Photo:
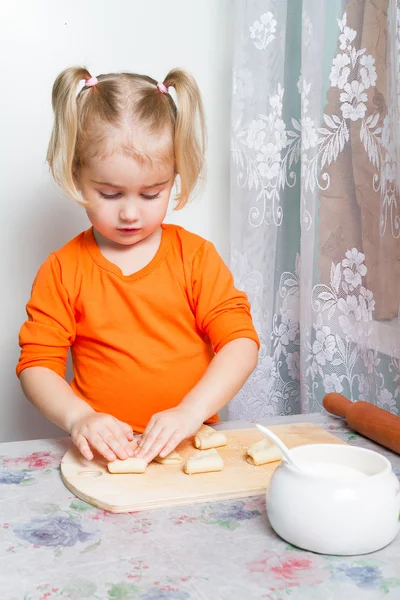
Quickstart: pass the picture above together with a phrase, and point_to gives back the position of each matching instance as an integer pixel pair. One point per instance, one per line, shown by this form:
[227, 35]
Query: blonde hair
[114, 100]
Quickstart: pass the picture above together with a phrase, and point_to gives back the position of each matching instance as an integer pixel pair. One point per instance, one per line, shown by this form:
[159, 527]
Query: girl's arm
[223, 378]
[223, 315]
[41, 369]
[53, 396]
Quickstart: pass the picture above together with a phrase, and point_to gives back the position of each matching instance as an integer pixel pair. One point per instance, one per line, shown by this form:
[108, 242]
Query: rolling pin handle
[336, 404]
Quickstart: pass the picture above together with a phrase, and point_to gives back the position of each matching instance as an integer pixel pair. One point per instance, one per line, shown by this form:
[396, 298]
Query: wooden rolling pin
[365, 418]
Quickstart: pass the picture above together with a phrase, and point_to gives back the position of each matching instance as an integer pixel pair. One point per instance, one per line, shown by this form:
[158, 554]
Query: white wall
[37, 40]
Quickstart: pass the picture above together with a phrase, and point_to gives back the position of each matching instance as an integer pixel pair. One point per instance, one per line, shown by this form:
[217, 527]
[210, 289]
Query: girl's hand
[165, 431]
[104, 433]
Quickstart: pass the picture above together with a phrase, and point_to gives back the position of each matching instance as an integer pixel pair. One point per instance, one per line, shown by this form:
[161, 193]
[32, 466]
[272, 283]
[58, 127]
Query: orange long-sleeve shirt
[139, 342]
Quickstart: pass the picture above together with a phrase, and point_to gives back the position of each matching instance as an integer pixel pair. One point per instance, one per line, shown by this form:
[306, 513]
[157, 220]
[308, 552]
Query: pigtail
[190, 132]
[62, 145]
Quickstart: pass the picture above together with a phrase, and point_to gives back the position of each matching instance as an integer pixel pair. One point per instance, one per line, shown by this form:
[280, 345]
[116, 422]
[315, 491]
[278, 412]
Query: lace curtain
[315, 225]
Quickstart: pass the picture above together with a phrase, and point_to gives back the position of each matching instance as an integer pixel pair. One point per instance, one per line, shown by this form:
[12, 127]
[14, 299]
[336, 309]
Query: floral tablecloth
[56, 546]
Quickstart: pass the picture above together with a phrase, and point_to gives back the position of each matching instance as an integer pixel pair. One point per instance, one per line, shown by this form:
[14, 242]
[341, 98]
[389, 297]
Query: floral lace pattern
[315, 338]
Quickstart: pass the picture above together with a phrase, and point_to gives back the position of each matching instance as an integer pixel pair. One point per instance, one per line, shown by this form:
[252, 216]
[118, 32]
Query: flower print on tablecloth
[228, 515]
[36, 461]
[365, 574]
[53, 530]
[56, 526]
[15, 477]
[77, 589]
[289, 569]
[164, 594]
[18, 470]
[80, 588]
[141, 524]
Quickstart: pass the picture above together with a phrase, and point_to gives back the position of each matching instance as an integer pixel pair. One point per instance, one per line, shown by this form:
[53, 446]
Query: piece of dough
[129, 465]
[172, 459]
[204, 462]
[207, 438]
[263, 452]
[124, 466]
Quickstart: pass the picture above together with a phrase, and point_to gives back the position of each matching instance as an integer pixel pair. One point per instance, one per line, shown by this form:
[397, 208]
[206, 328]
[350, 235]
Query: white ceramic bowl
[335, 515]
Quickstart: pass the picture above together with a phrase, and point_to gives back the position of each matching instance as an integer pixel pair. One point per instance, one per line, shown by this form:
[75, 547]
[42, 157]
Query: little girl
[160, 338]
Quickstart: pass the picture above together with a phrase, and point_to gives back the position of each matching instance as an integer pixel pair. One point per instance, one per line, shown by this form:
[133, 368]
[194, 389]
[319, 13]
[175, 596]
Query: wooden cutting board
[168, 485]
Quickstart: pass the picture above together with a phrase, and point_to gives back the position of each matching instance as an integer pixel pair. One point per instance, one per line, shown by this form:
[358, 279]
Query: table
[56, 546]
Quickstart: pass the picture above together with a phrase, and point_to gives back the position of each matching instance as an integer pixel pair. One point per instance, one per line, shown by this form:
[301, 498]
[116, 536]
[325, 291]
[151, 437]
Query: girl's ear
[75, 176]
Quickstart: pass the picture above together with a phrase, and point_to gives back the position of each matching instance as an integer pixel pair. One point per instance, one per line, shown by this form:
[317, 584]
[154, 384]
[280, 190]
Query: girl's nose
[129, 212]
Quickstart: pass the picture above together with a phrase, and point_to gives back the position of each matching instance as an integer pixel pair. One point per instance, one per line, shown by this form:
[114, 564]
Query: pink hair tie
[163, 88]
[91, 82]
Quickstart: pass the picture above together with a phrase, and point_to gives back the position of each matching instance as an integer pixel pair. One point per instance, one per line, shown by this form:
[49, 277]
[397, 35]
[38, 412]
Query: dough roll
[207, 438]
[263, 452]
[204, 462]
[172, 459]
[129, 465]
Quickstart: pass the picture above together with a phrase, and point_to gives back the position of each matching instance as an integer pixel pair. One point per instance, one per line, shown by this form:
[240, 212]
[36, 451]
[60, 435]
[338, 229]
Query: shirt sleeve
[50, 329]
[222, 311]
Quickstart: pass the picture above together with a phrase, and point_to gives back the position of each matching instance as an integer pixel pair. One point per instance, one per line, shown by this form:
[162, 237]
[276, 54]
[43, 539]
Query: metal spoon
[284, 449]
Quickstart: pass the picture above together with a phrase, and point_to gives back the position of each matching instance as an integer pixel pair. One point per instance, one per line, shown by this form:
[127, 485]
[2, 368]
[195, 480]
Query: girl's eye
[110, 196]
[149, 197]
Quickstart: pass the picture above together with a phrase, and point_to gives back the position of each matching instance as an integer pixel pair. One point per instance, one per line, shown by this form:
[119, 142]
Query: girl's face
[128, 199]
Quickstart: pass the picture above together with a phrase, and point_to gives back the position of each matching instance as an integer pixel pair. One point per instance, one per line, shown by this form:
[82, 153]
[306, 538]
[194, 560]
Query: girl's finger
[151, 424]
[148, 428]
[118, 441]
[97, 442]
[127, 429]
[158, 444]
[83, 447]
[172, 443]
[149, 440]
[114, 444]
